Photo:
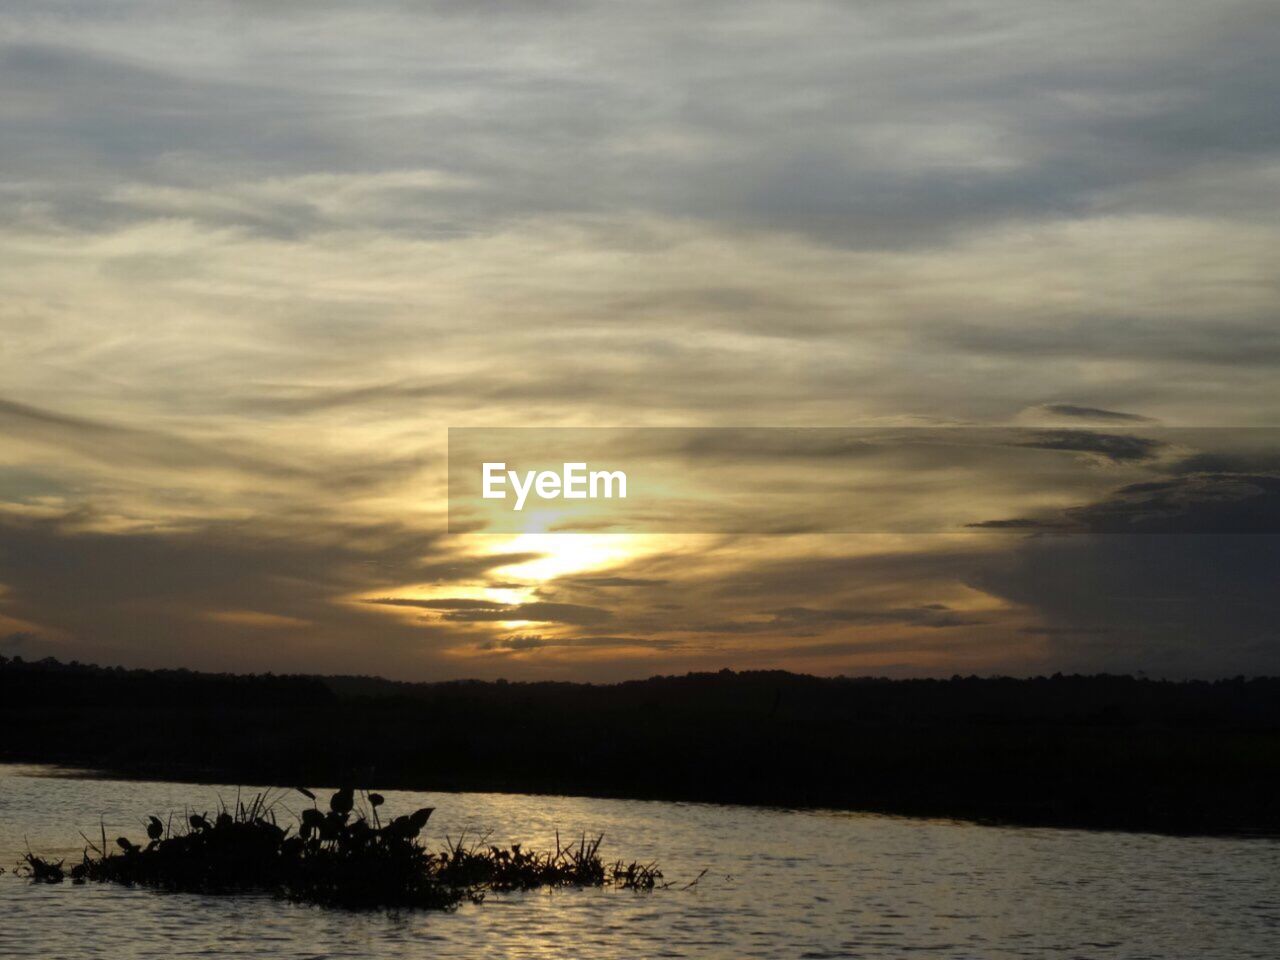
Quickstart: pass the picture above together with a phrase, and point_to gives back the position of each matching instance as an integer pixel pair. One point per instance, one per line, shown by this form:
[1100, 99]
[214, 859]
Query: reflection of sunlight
[565, 553]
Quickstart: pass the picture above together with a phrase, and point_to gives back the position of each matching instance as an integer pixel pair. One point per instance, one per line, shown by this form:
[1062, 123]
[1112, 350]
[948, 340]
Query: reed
[348, 855]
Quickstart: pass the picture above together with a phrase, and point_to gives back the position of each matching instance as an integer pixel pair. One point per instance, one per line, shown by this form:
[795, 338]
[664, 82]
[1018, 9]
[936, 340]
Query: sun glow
[561, 554]
[556, 555]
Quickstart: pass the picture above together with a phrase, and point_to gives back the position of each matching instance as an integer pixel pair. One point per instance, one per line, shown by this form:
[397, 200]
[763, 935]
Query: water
[780, 885]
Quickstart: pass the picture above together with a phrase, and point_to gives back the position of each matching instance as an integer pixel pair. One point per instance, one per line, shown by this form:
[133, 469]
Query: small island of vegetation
[345, 856]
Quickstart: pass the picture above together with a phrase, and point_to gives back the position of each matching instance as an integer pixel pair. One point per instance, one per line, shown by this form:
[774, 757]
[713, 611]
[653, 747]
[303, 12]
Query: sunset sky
[256, 259]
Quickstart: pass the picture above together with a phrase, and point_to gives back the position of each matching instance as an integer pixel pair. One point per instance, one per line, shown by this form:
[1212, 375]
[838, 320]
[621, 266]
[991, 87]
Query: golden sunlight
[562, 554]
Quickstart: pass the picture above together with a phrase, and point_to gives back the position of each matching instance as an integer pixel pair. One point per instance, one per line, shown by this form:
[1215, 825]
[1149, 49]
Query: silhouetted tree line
[1111, 751]
[57, 685]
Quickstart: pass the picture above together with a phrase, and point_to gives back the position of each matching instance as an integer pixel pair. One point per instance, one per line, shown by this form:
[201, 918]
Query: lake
[780, 884]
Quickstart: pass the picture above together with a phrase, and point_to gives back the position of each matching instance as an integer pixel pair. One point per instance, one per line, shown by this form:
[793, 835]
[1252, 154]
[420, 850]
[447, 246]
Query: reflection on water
[779, 885]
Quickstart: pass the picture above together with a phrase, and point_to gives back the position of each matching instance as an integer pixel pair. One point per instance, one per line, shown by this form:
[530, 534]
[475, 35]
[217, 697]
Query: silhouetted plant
[343, 857]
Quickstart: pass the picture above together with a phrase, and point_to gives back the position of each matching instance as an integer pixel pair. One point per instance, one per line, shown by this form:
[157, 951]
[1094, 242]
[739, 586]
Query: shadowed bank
[1101, 751]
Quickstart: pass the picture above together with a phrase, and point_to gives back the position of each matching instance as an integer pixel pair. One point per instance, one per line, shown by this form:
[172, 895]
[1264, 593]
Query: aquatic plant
[346, 856]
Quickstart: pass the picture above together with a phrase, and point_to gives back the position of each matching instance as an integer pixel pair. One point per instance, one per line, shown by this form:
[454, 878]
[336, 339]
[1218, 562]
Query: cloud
[128, 445]
[537, 611]
[456, 603]
[1118, 448]
[256, 618]
[461, 609]
[1020, 523]
[1225, 462]
[211, 596]
[1175, 576]
[1203, 503]
[971, 124]
[462, 569]
[809, 619]
[1073, 410]
[529, 642]
[249, 274]
[1199, 503]
[1180, 606]
[616, 581]
[1043, 631]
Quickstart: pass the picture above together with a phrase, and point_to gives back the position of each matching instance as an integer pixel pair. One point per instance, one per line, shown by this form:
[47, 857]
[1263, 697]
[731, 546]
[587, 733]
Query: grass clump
[347, 856]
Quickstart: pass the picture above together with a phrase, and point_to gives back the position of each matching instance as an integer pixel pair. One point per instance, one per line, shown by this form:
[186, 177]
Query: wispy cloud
[250, 273]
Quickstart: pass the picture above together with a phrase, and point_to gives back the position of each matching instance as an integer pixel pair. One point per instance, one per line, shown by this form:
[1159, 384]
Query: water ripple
[780, 884]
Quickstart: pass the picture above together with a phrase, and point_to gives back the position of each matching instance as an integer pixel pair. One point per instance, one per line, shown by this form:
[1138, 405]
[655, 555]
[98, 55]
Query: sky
[257, 259]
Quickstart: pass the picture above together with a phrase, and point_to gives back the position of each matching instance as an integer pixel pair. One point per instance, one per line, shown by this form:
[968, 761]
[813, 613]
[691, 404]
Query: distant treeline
[1107, 751]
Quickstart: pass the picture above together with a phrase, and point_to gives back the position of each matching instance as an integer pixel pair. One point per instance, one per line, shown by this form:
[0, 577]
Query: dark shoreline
[227, 778]
[1114, 753]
